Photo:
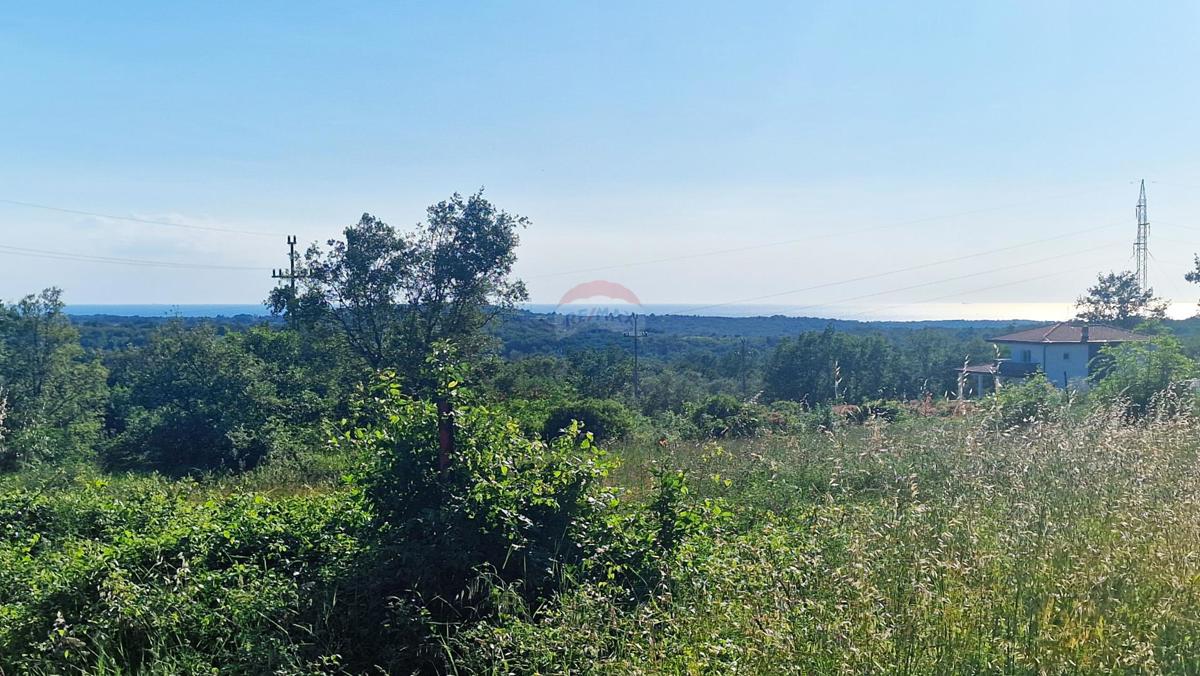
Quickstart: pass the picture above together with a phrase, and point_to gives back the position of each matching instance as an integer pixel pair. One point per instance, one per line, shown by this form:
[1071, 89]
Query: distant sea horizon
[904, 312]
[913, 313]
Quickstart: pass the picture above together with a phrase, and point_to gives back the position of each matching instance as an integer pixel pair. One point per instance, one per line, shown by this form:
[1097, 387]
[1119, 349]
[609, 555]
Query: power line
[952, 279]
[1176, 185]
[112, 260]
[814, 237]
[897, 271]
[144, 221]
[981, 289]
[1180, 226]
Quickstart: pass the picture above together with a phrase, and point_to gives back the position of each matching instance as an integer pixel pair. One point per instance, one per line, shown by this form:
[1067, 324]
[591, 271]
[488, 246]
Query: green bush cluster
[193, 401]
[143, 574]
[1030, 400]
[604, 418]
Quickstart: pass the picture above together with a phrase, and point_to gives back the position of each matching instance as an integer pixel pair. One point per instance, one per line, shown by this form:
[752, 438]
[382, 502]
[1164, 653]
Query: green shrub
[517, 509]
[1145, 376]
[1033, 399]
[604, 418]
[723, 416]
[193, 401]
[150, 576]
[884, 409]
[530, 414]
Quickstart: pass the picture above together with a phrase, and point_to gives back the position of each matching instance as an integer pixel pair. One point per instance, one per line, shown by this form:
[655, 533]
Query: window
[1026, 356]
[1066, 356]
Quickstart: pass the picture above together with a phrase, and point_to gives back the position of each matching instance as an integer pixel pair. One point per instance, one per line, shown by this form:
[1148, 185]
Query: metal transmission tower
[1141, 248]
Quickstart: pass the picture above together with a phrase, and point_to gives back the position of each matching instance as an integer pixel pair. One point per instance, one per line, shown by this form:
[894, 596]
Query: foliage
[55, 393]
[149, 576]
[946, 548]
[1118, 299]
[1145, 376]
[1031, 537]
[393, 296]
[518, 509]
[832, 367]
[1033, 399]
[602, 418]
[193, 401]
[723, 416]
[669, 389]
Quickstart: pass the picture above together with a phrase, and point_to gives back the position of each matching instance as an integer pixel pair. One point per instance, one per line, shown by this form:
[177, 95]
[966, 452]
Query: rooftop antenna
[1141, 248]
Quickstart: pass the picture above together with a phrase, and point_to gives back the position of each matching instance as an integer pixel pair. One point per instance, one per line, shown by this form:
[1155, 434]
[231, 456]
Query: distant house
[1065, 352]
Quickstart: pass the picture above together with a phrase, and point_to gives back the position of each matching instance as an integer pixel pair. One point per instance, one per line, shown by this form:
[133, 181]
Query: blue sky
[838, 139]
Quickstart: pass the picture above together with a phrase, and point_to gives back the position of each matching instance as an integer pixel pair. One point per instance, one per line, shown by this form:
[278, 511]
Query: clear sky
[823, 141]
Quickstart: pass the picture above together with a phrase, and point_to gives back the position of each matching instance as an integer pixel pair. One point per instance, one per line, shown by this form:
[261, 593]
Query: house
[1065, 352]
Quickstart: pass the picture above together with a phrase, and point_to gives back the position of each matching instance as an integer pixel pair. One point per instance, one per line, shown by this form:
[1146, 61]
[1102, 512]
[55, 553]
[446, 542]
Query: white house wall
[1065, 364]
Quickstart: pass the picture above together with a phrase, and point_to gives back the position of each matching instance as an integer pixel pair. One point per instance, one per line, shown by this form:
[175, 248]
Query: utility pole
[636, 335]
[1141, 248]
[742, 366]
[290, 274]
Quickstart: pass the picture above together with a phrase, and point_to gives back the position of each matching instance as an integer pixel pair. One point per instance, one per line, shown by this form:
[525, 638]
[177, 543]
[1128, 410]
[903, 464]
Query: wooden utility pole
[742, 367]
[636, 335]
[290, 273]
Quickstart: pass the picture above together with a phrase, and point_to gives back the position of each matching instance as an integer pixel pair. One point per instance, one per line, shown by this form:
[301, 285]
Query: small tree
[392, 296]
[1118, 299]
[517, 507]
[1142, 373]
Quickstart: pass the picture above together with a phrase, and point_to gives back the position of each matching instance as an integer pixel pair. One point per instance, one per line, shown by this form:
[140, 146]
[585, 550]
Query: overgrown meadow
[935, 545]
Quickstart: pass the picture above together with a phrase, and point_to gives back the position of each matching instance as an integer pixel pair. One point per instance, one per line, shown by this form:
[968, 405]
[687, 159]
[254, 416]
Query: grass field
[926, 547]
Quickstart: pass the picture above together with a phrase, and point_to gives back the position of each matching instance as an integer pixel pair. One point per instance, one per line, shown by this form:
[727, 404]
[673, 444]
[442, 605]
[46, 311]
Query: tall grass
[933, 547]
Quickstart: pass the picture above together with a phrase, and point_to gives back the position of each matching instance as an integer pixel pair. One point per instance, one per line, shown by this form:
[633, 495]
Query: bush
[514, 509]
[885, 409]
[723, 416]
[604, 418]
[1033, 399]
[192, 401]
[1145, 376]
[139, 575]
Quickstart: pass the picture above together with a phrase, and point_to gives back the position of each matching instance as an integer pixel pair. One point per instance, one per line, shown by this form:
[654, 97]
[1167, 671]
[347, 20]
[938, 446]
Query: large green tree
[393, 296]
[54, 392]
[1119, 300]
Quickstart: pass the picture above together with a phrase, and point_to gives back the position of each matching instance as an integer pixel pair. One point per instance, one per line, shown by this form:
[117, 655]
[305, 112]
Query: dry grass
[935, 547]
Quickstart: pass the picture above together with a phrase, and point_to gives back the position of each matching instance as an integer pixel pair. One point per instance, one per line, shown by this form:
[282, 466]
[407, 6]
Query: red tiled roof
[1067, 332]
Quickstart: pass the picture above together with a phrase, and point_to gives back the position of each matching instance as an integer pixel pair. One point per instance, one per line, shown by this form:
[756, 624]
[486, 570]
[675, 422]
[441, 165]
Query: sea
[909, 312]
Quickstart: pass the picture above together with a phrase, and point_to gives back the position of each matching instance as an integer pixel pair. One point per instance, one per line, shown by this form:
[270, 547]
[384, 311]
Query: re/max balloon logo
[596, 304]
